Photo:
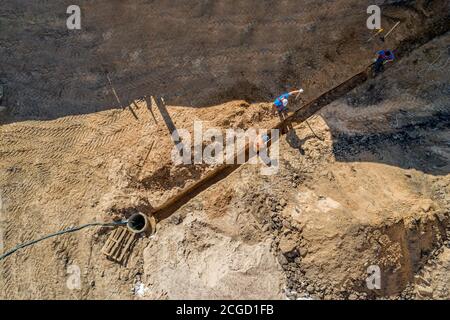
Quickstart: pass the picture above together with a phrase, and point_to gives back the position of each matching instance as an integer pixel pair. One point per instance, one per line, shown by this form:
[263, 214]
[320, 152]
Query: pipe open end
[138, 223]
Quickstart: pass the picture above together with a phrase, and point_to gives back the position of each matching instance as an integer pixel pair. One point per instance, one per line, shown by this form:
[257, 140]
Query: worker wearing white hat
[281, 103]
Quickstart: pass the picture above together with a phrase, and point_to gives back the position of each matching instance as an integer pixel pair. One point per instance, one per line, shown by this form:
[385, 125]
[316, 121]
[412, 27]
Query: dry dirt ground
[373, 191]
[194, 53]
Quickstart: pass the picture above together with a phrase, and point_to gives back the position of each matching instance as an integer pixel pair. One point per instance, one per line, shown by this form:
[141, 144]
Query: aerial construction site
[117, 179]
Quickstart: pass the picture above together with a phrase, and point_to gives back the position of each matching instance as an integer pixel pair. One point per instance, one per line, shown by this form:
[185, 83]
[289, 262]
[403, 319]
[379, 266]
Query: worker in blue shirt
[280, 103]
[383, 57]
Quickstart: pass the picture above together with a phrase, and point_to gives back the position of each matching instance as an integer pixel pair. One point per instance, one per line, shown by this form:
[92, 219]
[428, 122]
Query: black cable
[310, 128]
[26, 244]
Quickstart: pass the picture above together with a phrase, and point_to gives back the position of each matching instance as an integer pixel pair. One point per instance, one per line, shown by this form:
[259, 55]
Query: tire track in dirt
[44, 149]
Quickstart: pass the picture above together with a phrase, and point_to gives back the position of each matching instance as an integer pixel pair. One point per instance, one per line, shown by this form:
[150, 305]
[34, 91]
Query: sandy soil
[97, 165]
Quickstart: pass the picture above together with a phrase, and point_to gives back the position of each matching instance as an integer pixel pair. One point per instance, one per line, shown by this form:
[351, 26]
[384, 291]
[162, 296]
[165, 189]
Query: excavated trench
[415, 247]
[309, 109]
[224, 171]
